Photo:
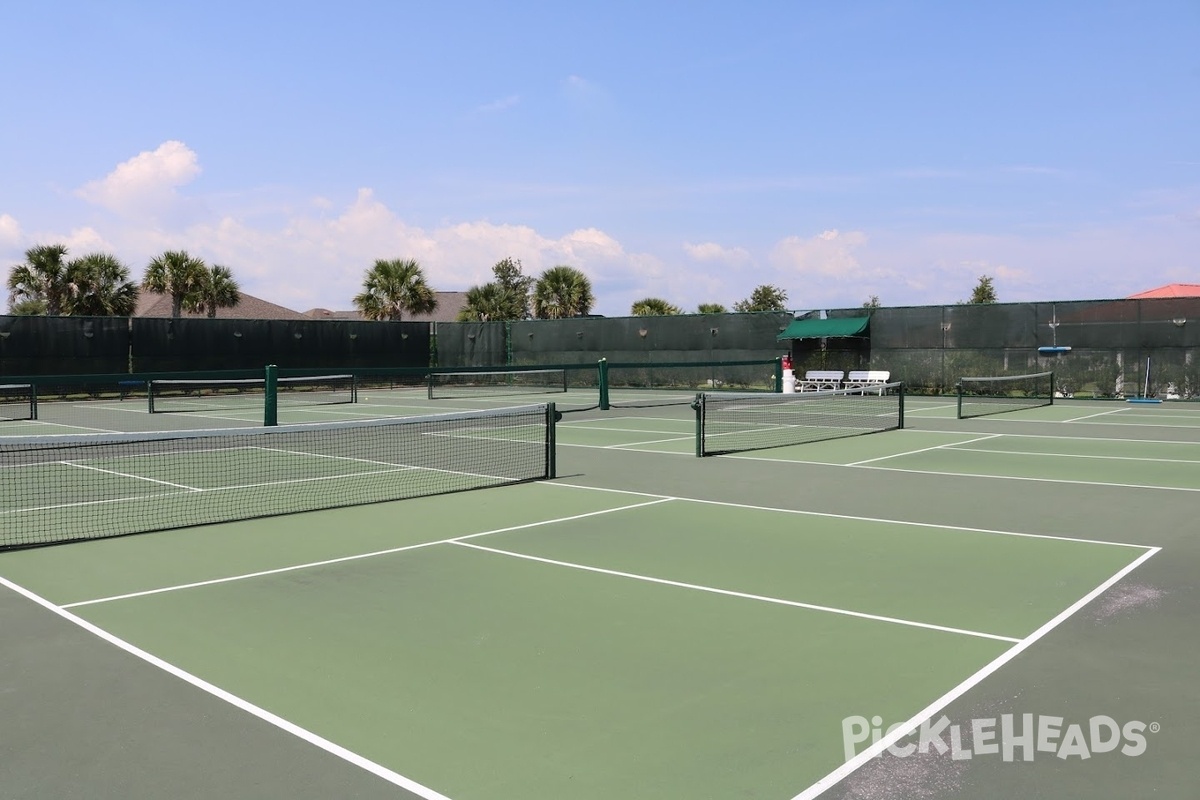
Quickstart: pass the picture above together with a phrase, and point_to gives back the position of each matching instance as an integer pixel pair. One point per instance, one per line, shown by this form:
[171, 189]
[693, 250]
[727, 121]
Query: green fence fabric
[58, 345]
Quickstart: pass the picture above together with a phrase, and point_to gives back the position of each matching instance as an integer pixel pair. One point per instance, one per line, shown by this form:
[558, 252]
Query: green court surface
[647, 625]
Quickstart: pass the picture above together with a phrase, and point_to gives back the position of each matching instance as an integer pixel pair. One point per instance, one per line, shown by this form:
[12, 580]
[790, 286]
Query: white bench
[867, 379]
[816, 380]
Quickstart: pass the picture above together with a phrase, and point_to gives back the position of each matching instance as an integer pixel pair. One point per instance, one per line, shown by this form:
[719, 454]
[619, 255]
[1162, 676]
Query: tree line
[98, 284]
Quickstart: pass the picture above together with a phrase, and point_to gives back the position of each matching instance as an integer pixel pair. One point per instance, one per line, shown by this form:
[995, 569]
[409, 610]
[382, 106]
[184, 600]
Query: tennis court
[644, 624]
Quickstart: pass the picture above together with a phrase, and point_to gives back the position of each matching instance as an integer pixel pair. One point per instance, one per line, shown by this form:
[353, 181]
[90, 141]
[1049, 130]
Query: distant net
[17, 402]
[730, 423]
[177, 396]
[645, 385]
[64, 488]
[978, 397]
[496, 383]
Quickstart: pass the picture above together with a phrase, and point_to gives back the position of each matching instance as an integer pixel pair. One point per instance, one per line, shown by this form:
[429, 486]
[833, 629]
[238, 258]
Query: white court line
[191, 489]
[1060, 436]
[923, 450]
[629, 448]
[1100, 414]
[829, 515]
[621, 417]
[989, 476]
[908, 409]
[676, 438]
[1139, 424]
[743, 595]
[387, 463]
[40, 422]
[986, 476]
[184, 414]
[357, 556]
[128, 475]
[1066, 455]
[564, 425]
[303, 734]
[838, 775]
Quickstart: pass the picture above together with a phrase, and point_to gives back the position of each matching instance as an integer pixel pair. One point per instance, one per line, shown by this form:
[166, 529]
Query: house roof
[155, 304]
[449, 304]
[1170, 290]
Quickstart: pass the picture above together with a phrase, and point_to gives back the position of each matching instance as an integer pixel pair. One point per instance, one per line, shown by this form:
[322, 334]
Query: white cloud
[830, 254]
[145, 181]
[303, 251]
[10, 231]
[714, 253]
[503, 104]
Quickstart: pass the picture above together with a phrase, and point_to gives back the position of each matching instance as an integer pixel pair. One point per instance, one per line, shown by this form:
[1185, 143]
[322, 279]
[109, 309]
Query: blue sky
[688, 150]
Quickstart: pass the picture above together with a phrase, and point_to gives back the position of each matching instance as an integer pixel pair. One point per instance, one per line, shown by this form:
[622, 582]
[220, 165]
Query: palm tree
[486, 303]
[219, 290]
[41, 278]
[711, 308]
[98, 286]
[653, 307]
[562, 292]
[391, 288]
[27, 308]
[177, 274]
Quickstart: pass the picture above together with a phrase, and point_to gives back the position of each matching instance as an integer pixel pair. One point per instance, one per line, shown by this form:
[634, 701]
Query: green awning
[823, 328]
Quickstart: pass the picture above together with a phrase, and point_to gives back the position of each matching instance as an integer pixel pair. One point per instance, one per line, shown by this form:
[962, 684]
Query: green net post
[900, 390]
[552, 417]
[1051, 388]
[779, 375]
[959, 392]
[271, 397]
[602, 366]
[33, 411]
[698, 404]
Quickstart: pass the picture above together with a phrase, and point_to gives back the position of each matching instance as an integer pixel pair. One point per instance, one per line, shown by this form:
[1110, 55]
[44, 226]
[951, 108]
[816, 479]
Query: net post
[959, 389]
[900, 390]
[551, 441]
[33, 409]
[698, 404]
[271, 397]
[1051, 387]
[602, 368]
[779, 375]
[429, 381]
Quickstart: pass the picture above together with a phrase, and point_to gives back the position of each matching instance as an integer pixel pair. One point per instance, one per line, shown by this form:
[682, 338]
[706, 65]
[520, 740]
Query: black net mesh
[732, 423]
[63, 488]
[980, 396]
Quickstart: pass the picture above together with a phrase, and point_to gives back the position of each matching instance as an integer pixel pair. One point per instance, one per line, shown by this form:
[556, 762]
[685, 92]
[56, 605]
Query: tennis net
[729, 423]
[495, 383]
[647, 385]
[65, 488]
[174, 396]
[17, 402]
[978, 397]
